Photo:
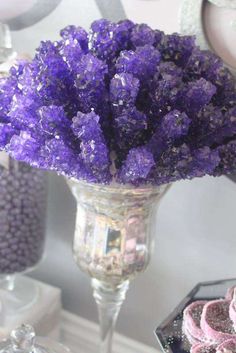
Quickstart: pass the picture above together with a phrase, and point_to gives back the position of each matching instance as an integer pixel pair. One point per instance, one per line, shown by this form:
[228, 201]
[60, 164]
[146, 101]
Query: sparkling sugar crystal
[154, 106]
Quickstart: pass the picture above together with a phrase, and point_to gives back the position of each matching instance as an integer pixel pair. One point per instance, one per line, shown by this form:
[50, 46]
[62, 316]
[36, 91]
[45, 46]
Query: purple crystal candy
[130, 129]
[196, 95]
[137, 165]
[94, 151]
[142, 62]
[124, 89]
[177, 48]
[77, 34]
[141, 35]
[173, 126]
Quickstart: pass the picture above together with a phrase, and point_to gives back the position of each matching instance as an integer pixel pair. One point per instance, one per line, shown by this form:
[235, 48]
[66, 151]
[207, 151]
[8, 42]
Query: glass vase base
[17, 293]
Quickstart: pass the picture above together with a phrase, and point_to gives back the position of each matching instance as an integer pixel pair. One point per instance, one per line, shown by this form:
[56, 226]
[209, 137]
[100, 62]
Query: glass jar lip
[115, 187]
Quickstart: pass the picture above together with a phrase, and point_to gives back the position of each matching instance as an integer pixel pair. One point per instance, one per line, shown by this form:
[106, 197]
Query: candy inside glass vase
[22, 232]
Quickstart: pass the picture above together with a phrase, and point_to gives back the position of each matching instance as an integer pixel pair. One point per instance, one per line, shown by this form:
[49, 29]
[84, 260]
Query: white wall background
[196, 234]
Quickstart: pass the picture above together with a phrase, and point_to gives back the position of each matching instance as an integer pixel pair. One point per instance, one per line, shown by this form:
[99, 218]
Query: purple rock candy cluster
[122, 103]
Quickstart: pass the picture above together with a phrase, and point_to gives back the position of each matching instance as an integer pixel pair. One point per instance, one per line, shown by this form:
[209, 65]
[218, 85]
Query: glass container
[23, 200]
[113, 240]
[22, 216]
[169, 332]
[23, 340]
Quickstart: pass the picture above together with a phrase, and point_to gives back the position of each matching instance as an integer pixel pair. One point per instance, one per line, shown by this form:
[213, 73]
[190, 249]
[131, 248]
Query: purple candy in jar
[22, 216]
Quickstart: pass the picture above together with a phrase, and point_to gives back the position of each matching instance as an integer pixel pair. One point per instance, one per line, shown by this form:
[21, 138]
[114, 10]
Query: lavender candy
[196, 95]
[78, 34]
[142, 34]
[137, 165]
[177, 48]
[22, 217]
[142, 63]
[173, 126]
[124, 89]
[131, 77]
[94, 152]
[130, 129]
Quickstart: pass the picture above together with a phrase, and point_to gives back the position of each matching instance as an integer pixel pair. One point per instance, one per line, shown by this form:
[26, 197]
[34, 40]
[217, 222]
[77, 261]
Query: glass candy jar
[22, 230]
[23, 340]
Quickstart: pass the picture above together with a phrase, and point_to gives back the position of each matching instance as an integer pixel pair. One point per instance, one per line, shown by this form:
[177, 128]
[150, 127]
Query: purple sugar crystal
[137, 165]
[173, 126]
[90, 83]
[71, 52]
[124, 89]
[196, 95]
[142, 62]
[220, 128]
[154, 106]
[59, 156]
[178, 163]
[142, 34]
[23, 113]
[177, 48]
[53, 121]
[130, 129]
[170, 71]
[102, 40]
[202, 63]
[25, 148]
[6, 133]
[122, 34]
[227, 154]
[76, 34]
[94, 151]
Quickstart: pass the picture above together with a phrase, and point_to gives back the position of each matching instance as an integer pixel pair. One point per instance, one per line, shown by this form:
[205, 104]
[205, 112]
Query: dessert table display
[122, 112]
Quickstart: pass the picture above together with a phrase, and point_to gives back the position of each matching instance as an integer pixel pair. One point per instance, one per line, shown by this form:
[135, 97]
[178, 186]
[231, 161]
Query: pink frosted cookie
[215, 321]
[232, 309]
[192, 340]
[228, 346]
[202, 348]
[191, 322]
[230, 293]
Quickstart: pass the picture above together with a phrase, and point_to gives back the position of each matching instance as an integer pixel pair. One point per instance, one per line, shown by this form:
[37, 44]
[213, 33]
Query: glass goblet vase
[114, 232]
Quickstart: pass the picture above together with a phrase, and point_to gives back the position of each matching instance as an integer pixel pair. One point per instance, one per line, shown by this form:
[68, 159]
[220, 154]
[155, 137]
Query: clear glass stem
[109, 300]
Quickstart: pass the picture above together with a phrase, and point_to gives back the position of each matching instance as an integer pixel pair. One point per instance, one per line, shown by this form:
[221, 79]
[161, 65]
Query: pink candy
[210, 326]
[227, 346]
[192, 318]
[203, 348]
[232, 308]
[215, 321]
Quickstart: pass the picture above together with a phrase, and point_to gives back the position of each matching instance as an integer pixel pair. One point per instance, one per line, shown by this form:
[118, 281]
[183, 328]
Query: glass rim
[116, 187]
